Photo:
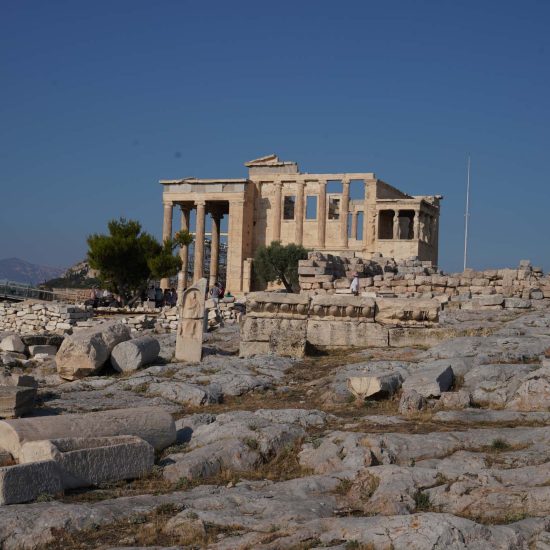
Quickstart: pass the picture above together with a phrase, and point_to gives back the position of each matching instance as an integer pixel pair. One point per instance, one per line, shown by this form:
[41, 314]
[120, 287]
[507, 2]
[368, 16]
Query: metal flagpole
[467, 215]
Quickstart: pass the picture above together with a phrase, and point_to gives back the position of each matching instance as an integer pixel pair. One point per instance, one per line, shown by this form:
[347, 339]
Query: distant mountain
[21, 271]
[80, 275]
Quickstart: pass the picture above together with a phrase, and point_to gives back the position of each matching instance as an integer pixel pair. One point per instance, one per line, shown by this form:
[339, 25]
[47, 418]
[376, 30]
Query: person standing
[354, 287]
[215, 292]
[159, 296]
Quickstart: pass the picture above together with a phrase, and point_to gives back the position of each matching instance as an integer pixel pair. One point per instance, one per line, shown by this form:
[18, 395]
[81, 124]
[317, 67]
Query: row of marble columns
[321, 213]
[200, 233]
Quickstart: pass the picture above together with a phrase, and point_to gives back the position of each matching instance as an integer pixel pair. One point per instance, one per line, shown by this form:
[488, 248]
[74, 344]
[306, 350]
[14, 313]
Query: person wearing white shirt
[354, 287]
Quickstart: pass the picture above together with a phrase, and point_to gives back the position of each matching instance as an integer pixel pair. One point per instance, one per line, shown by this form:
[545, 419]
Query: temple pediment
[271, 164]
[268, 160]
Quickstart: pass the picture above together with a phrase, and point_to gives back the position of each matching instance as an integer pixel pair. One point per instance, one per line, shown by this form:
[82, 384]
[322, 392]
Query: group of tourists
[99, 297]
[168, 297]
[154, 294]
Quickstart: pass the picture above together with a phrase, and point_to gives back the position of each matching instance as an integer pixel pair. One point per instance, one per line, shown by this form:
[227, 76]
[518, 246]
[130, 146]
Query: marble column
[299, 236]
[215, 249]
[369, 222]
[184, 255]
[322, 214]
[198, 267]
[396, 228]
[435, 238]
[354, 225]
[277, 197]
[166, 234]
[235, 247]
[344, 208]
[416, 225]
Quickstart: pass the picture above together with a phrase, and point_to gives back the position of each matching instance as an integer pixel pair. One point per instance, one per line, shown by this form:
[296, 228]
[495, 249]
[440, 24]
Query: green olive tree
[279, 263]
[127, 258]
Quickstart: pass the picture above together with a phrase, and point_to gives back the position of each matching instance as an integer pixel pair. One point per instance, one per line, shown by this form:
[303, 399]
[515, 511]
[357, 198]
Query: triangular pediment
[268, 160]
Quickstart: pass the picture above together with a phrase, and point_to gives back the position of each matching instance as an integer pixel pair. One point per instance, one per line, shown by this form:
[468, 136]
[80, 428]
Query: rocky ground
[452, 452]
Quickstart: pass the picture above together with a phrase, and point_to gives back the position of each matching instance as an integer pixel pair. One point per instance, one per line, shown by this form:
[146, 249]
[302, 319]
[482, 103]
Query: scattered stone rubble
[441, 443]
[85, 352]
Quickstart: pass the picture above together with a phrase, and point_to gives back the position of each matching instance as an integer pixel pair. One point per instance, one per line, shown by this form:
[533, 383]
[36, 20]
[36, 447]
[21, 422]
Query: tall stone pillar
[344, 214]
[435, 238]
[215, 249]
[396, 228]
[277, 211]
[184, 255]
[369, 222]
[166, 234]
[198, 267]
[416, 225]
[299, 236]
[322, 214]
[354, 224]
[235, 246]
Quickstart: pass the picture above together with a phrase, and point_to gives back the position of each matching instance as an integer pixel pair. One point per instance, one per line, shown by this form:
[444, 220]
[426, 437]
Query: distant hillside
[79, 275]
[21, 271]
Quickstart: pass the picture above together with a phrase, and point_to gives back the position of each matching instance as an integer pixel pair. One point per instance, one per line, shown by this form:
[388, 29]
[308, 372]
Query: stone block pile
[328, 273]
[167, 320]
[230, 310]
[17, 390]
[139, 322]
[56, 453]
[87, 351]
[489, 289]
[27, 317]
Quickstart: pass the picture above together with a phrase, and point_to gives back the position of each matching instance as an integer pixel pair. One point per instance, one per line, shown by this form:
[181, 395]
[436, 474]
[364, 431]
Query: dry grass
[282, 467]
[139, 530]
[152, 484]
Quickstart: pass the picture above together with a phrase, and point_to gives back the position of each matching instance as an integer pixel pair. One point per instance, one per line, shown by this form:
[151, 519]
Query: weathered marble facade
[277, 202]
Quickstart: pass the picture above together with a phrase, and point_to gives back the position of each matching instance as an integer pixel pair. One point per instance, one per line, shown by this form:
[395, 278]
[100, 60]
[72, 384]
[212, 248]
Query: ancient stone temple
[278, 202]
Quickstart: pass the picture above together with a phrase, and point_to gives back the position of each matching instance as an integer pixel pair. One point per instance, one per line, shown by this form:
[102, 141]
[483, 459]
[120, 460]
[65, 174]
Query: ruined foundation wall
[284, 324]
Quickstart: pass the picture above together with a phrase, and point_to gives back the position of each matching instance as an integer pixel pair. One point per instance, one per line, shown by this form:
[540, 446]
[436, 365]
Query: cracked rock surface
[403, 448]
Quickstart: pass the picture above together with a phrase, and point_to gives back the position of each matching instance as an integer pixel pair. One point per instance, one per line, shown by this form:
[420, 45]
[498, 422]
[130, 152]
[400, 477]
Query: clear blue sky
[99, 100]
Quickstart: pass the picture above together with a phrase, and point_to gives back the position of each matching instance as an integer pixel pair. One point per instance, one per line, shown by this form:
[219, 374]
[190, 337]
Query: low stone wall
[413, 279]
[229, 309]
[284, 324]
[28, 317]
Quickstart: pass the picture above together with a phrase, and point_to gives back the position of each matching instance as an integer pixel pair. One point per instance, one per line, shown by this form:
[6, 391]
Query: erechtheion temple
[277, 202]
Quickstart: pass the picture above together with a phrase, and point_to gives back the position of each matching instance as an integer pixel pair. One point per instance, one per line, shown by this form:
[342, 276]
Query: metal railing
[17, 291]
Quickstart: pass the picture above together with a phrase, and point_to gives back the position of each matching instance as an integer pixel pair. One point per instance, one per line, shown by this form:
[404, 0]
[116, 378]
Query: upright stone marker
[191, 323]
